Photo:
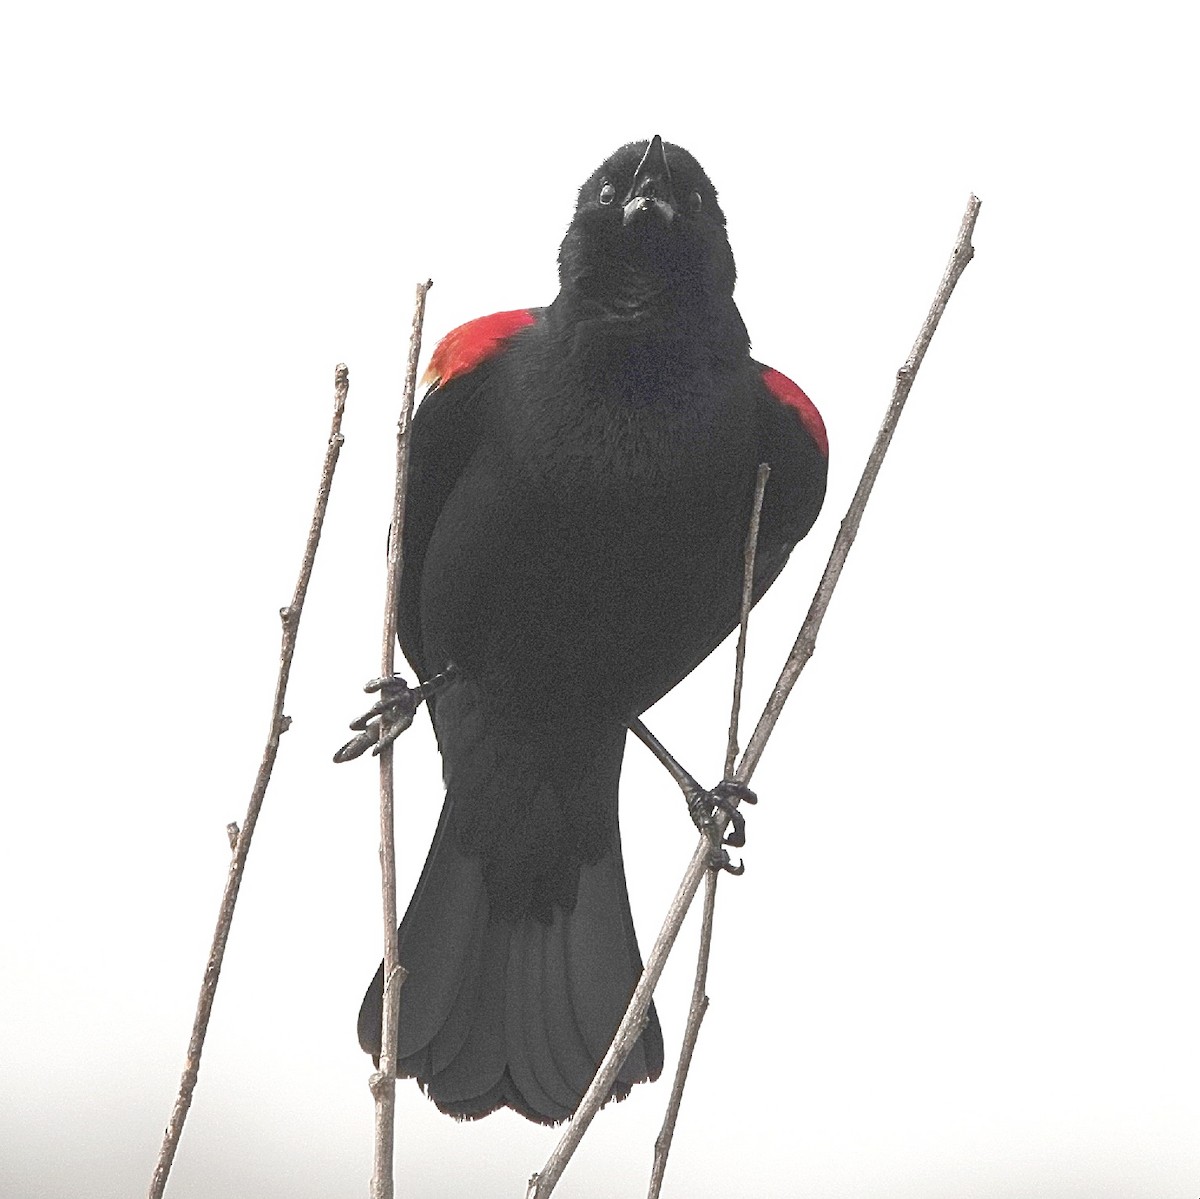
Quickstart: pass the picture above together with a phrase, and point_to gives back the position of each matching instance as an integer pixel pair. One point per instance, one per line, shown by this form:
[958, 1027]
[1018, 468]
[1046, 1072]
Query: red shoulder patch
[786, 392]
[464, 348]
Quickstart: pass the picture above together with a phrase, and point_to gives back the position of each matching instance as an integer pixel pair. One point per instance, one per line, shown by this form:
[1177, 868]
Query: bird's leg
[702, 803]
[381, 724]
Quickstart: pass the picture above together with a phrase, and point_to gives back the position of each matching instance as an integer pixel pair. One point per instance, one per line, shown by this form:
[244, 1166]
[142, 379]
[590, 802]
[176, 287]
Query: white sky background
[963, 958]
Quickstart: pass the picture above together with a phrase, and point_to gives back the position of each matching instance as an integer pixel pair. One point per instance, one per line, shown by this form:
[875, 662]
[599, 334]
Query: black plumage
[580, 485]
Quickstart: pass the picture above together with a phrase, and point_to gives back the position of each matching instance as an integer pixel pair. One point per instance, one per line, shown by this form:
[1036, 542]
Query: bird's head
[647, 230]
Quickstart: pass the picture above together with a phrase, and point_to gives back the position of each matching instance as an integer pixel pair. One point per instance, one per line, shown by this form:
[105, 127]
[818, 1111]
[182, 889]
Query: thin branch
[699, 1004]
[383, 1082]
[739, 666]
[241, 840]
[806, 641]
[691, 1033]
[542, 1185]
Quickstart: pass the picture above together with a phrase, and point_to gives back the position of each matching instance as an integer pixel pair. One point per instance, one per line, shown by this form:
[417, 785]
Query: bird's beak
[652, 193]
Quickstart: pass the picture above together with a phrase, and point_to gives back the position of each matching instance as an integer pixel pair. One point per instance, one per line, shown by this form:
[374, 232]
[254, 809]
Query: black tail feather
[514, 1003]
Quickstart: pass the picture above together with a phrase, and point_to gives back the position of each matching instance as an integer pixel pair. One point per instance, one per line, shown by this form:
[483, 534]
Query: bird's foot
[703, 807]
[384, 721]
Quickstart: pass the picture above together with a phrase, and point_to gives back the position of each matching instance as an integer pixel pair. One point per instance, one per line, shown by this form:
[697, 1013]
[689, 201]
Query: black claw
[388, 683]
[735, 830]
[393, 731]
[704, 804]
[357, 746]
[722, 798]
[378, 709]
[720, 860]
[729, 787]
[386, 719]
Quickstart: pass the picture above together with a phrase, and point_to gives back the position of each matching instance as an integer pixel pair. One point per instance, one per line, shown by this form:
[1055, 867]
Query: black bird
[581, 482]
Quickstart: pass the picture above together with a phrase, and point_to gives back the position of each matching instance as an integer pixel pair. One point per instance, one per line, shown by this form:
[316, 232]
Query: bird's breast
[593, 555]
[630, 434]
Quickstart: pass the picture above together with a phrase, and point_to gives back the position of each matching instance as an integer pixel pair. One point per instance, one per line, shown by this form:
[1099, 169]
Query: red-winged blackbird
[581, 484]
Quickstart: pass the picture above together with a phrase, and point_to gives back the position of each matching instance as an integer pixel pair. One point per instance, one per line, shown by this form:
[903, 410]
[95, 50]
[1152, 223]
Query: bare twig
[691, 1033]
[739, 666]
[699, 1004]
[542, 1185]
[383, 1082]
[241, 840]
[806, 641]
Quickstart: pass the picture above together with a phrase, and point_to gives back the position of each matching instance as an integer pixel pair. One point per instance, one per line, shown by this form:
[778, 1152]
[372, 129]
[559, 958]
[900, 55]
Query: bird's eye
[608, 193]
[695, 203]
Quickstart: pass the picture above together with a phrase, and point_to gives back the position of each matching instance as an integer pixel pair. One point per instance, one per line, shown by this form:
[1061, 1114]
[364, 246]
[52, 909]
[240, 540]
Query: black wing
[446, 434]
